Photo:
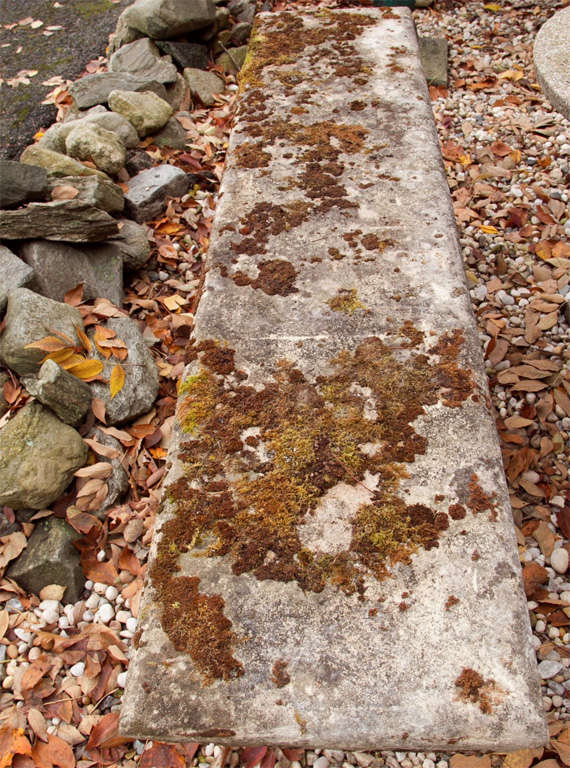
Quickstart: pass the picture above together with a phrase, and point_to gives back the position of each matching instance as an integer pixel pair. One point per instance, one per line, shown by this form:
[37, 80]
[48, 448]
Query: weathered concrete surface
[552, 60]
[287, 603]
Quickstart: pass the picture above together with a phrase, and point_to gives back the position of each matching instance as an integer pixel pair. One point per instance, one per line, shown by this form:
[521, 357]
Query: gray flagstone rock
[66, 395]
[242, 10]
[551, 59]
[21, 183]
[93, 190]
[38, 456]
[67, 220]
[142, 59]
[118, 480]
[14, 273]
[50, 558]
[56, 163]
[95, 89]
[177, 93]
[149, 189]
[89, 141]
[132, 244]
[3, 402]
[59, 267]
[204, 85]
[172, 135]
[336, 411]
[185, 54]
[30, 317]
[141, 382]
[146, 111]
[433, 55]
[165, 19]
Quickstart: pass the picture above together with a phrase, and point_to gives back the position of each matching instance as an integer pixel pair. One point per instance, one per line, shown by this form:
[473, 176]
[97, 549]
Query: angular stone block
[38, 456]
[59, 267]
[552, 61]
[433, 56]
[95, 89]
[66, 220]
[67, 396]
[55, 163]
[146, 111]
[149, 189]
[14, 273]
[203, 85]
[21, 183]
[50, 558]
[335, 561]
[164, 19]
[30, 317]
[92, 190]
[142, 58]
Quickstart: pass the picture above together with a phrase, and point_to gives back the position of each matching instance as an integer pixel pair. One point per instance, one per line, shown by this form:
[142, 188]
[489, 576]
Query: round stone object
[552, 60]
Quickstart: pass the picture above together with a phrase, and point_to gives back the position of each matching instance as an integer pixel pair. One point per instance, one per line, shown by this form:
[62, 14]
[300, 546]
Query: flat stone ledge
[338, 391]
[552, 60]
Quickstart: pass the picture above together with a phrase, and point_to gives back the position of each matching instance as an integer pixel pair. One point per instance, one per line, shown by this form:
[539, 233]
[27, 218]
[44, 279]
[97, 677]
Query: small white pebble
[123, 616]
[121, 679]
[428, 764]
[63, 622]
[89, 585]
[559, 560]
[101, 555]
[77, 669]
[111, 593]
[209, 749]
[105, 613]
[88, 616]
[557, 701]
[131, 624]
[23, 635]
[553, 632]
[92, 602]
[540, 626]
[98, 586]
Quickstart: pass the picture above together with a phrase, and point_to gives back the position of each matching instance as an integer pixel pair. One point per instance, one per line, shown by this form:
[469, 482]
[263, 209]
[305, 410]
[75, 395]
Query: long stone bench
[335, 562]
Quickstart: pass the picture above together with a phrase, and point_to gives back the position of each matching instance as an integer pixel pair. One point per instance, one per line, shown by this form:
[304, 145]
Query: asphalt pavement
[78, 31]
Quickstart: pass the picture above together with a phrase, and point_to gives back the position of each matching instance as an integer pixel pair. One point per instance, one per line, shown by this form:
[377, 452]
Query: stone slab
[433, 56]
[14, 273]
[552, 60]
[335, 562]
[66, 220]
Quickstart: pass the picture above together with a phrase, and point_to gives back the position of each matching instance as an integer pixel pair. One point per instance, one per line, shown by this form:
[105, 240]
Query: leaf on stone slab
[117, 380]
[86, 370]
[11, 546]
[47, 344]
[64, 192]
[98, 408]
[52, 592]
[103, 450]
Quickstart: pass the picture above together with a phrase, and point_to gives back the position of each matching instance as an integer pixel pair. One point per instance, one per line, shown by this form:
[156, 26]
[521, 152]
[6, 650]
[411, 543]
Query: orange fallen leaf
[55, 753]
[13, 742]
[86, 370]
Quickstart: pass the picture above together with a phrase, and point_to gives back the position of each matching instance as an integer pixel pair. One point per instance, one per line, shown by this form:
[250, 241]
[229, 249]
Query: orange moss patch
[279, 674]
[475, 689]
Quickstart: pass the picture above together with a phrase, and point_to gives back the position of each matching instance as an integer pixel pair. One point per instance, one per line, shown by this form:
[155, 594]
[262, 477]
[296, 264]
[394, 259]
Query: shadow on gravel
[86, 25]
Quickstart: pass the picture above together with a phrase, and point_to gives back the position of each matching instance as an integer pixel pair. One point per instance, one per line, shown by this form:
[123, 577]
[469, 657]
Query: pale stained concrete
[552, 60]
[357, 681]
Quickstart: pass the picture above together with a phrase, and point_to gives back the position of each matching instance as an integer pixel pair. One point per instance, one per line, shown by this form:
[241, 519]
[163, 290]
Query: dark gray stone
[177, 93]
[95, 89]
[89, 141]
[137, 161]
[132, 243]
[66, 220]
[38, 456]
[172, 135]
[93, 190]
[50, 558]
[14, 273]
[142, 59]
[66, 395]
[433, 55]
[118, 480]
[21, 183]
[149, 189]
[30, 317]
[242, 10]
[166, 19]
[185, 54]
[240, 33]
[141, 382]
[59, 267]
[203, 85]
